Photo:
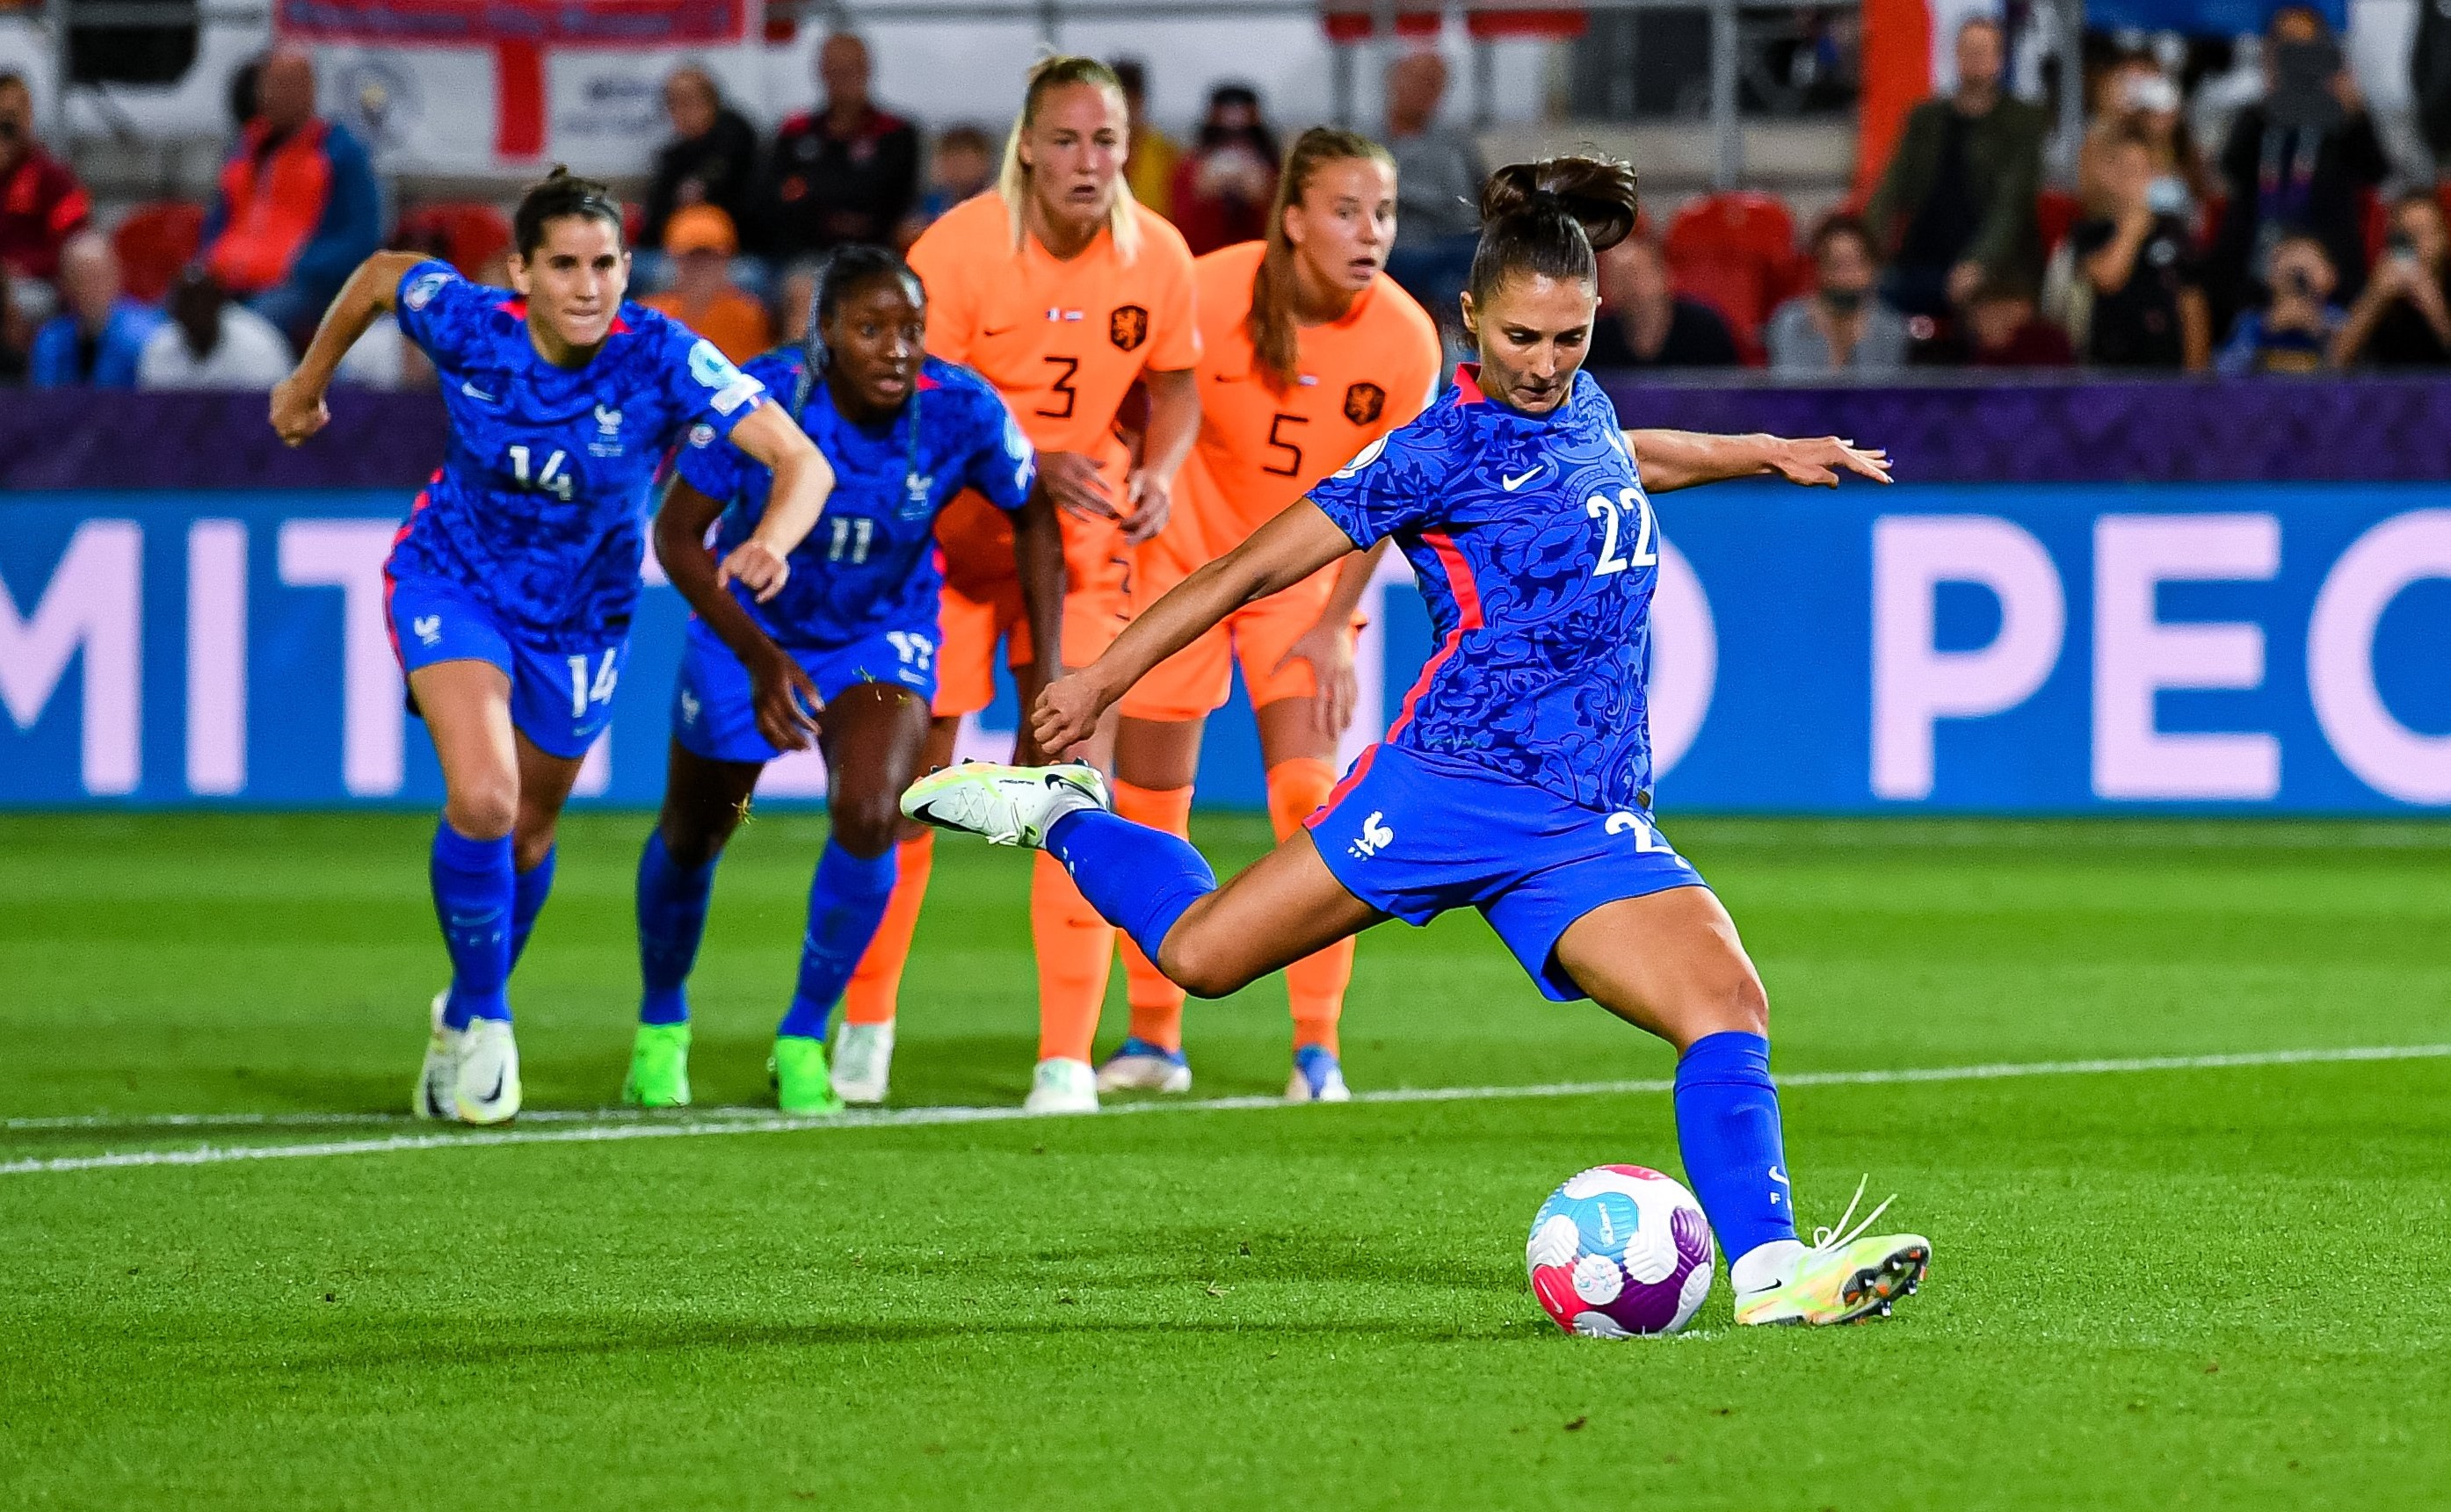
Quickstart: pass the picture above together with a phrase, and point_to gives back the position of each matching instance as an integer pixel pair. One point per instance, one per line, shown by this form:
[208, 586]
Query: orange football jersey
[1260, 450]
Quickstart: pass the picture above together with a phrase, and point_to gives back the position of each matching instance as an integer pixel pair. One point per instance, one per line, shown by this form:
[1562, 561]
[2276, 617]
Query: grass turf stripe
[580, 1127]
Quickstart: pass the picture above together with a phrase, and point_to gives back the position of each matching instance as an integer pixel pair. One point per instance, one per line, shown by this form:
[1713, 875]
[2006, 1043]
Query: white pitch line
[582, 1128]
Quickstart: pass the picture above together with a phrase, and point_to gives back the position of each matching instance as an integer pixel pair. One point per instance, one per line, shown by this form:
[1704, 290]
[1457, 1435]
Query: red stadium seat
[1355, 20]
[1735, 250]
[154, 242]
[1554, 26]
[2055, 213]
[467, 233]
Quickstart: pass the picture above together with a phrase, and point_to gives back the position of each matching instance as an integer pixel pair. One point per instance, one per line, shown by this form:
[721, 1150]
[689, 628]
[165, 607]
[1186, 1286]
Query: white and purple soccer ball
[1620, 1251]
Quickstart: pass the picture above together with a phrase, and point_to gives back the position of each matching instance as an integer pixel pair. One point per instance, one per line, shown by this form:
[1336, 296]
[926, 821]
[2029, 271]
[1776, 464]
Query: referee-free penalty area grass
[2215, 1287]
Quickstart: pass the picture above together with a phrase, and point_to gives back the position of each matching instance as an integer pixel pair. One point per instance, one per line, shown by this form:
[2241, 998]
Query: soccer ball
[1620, 1251]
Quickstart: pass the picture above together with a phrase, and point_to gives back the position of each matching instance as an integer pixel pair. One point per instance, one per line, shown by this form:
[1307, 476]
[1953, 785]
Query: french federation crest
[1362, 402]
[1127, 327]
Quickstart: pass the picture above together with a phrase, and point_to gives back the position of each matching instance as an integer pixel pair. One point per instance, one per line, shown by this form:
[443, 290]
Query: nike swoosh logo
[993, 330]
[1511, 484]
[1780, 1176]
[495, 1094]
[476, 393]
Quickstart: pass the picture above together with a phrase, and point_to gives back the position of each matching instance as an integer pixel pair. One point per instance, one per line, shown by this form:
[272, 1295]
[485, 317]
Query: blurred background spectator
[16, 332]
[1645, 323]
[2430, 83]
[298, 207]
[1843, 324]
[41, 202]
[210, 343]
[2140, 261]
[2293, 332]
[2300, 159]
[962, 168]
[711, 159]
[2400, 320]
[99, 333]
[2000, 327]
[1439, 173]
[701, 241]
[847, 173]
[1152, 156]
[2138, 98]
[1955, 206]
[1222, 189]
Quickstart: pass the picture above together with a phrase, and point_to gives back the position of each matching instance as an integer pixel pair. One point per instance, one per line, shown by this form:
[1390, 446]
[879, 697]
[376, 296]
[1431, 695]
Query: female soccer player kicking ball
[846, 653]
[509, 591]
[1518, 779]
[1307, 354]
[1063, 293]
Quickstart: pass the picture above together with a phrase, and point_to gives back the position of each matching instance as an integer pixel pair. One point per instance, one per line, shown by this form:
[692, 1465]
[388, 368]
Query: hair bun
[1596, 193]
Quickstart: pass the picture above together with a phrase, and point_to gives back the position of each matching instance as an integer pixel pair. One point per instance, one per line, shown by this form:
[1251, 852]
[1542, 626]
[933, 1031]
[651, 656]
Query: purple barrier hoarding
[2257, 430]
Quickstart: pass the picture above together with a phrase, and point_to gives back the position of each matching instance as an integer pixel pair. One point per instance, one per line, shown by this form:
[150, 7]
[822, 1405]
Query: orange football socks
[1076, 951]
[1157, 1004]
[1315, 984]
[875, 989]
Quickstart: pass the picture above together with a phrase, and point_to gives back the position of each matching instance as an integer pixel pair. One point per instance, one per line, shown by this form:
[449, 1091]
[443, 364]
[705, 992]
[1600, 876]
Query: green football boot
[658, 1066]
[797, 1069]
[1844, 1277]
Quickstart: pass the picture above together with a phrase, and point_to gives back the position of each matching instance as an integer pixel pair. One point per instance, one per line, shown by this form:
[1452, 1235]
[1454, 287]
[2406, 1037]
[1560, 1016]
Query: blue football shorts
[561, 700]
[1415, 835]
[713, 715]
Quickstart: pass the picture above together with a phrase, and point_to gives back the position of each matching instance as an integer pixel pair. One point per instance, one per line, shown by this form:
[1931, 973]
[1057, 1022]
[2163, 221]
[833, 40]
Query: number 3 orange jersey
[1261, 449]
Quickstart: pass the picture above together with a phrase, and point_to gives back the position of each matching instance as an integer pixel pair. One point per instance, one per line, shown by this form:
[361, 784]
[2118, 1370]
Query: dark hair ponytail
[562, 195]
[847, 268]
[1552, 217]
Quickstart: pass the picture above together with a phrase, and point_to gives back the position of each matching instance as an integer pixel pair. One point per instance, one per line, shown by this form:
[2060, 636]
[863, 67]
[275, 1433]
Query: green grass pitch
[2206, 1286]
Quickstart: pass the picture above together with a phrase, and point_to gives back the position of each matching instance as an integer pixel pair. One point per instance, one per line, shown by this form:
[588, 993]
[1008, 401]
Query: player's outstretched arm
[1289, 547]
[1038, 556]
[803, 478]
[780, 691]
[1674, 459]
[298, 409]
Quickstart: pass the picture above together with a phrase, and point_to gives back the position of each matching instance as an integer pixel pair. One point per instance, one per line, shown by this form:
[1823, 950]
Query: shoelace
[1838, 1236]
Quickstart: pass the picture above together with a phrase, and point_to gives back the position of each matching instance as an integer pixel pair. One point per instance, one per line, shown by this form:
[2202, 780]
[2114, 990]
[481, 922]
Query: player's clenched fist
[1068, 714]
[297, 410]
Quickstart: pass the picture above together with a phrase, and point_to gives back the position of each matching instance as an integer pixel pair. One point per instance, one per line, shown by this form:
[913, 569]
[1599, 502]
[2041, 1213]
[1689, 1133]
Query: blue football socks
[846, 900]
[529, 890]
[672, 917]
[1728, 1131]
[472, 899]
[1141, 880]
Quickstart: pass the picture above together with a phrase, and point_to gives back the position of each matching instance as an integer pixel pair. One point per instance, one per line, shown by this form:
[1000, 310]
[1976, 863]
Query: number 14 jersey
[1537, 553]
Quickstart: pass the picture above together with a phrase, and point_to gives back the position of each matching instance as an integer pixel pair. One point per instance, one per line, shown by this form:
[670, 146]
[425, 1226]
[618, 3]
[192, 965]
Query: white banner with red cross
[486, 86]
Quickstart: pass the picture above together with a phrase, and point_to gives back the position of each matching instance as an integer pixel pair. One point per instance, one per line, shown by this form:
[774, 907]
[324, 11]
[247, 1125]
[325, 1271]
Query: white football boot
[486, 1089]
[1062, 1086]
[1317, 1078]
[863, 1062]
[1005, 805]
[435, 1079]
[1138, 1065]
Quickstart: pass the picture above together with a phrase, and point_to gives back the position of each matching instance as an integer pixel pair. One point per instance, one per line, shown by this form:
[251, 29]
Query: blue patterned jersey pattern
[872, 564]
[1537, 553]
[541, 508]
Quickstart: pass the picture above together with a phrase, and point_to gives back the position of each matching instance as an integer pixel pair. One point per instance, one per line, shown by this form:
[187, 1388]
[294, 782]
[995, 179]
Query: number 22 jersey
[1538, 554]
[539, 509]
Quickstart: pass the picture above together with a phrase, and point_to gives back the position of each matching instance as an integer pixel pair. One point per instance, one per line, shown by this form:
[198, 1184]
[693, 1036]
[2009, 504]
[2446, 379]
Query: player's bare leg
[1671, 962]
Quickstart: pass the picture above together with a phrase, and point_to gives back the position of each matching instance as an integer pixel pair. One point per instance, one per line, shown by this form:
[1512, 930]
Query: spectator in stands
[2293, 334]
[711, 159]
[2429, 80]
[1223, 189]
[2000, 327]
[1955, 207]
[1645, 323]
[2139, 97]
[299, 208]
[848, 172]
[2149, 300]
[42, 205]
[1843, 326]
[702, 243]
[962, 168]
[95, 340]
[2403, 317]
[16, 332]
[210, 343]
[1152, 156]
[2298, 161]
[1439, 173]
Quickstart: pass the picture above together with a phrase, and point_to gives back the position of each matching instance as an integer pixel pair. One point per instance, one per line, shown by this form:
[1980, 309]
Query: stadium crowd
[2294, 246]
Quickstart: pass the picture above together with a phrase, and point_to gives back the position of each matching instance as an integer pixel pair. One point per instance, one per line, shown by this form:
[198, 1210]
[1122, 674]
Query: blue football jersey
[540, 510]
[871, 562]
[1537, 552]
